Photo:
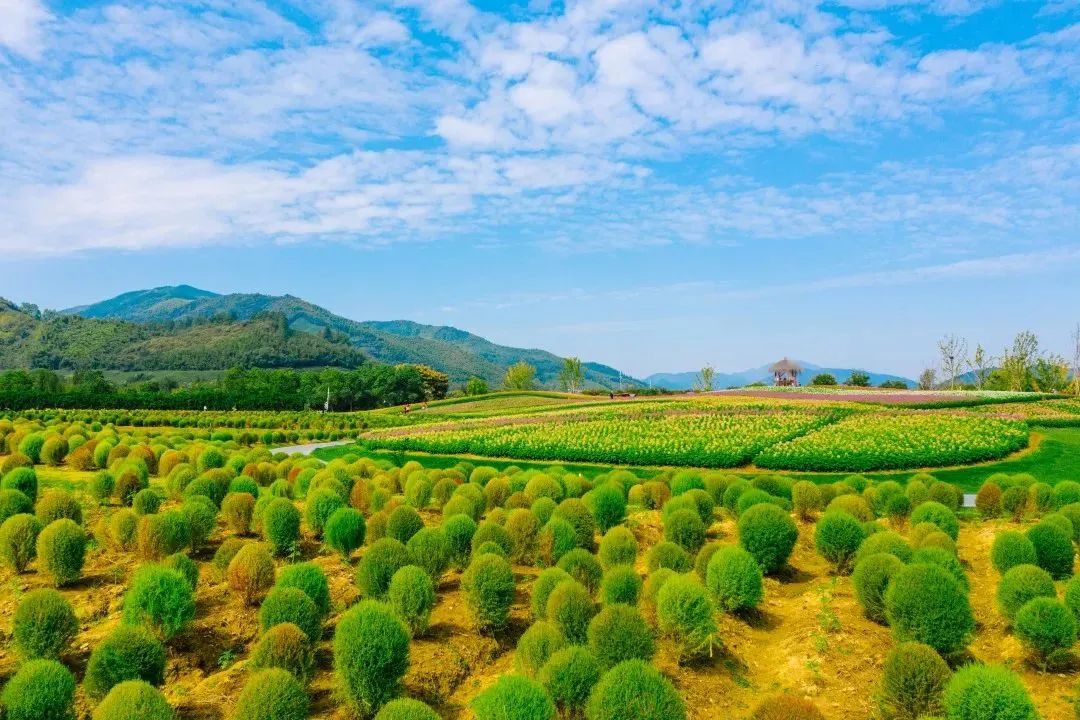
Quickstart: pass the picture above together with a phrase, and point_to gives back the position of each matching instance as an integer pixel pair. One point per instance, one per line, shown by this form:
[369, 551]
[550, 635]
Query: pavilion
[785, 372]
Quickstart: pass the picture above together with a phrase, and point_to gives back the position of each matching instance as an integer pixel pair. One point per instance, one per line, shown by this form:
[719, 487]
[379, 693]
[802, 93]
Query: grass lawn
[1056, 458]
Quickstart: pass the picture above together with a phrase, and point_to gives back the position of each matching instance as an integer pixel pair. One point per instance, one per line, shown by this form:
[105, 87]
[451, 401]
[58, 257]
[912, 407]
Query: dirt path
[308, 448]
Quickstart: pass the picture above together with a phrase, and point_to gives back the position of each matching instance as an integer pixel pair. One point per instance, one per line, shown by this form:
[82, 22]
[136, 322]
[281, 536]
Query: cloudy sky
[652, 184]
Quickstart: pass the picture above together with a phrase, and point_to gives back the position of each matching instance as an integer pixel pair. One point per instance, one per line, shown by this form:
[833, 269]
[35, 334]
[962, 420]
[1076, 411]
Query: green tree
[1050, 374]
[706, 377]
[1017, 361]
[477, 386]
[928, 379]
[572, 375]
[823, 379]
[859, 378]
[980, 362]
[520, 376]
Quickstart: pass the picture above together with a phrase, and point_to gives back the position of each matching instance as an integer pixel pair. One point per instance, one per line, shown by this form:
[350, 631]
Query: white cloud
[20, 26]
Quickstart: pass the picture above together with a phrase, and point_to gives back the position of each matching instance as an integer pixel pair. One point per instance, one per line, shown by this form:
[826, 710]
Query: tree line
[1023, 366]
[370, 386]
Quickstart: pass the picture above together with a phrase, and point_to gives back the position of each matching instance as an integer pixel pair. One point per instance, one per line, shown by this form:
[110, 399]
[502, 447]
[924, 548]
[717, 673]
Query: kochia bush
[734, 579]
[281, 526]
[871, 579]
[18, 541]
[925, 603]
[412, 595]
[371, 655]
[61, 551]
[527, 698]
[837, 537]
[344, 531]
[128, 653]
[272, 694]
[406, 709]
[769, 534]
[1045, 626]
[287, 647]
[634, 690]
[1010, 549]
[569, 676]
[912, 682]
[310, 578]
[160, 599]
[1054, 549]
[40, 690]
[488, 584]
[378, 565]
[987, 692]
[251, 572]
[291, 605]
[44, 624]
[618, 633]
[535, 646]
[1021, 584]
[684, 612]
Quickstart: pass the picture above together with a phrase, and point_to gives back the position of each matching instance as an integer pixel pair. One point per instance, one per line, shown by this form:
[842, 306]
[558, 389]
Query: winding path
[307, 448]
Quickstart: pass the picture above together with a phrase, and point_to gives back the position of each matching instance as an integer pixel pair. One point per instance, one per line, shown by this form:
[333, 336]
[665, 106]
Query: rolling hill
[456, 352]
[686, 380]
[71, 342]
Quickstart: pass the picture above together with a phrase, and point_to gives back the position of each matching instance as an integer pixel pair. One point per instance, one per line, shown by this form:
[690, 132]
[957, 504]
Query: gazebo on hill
[785, 372]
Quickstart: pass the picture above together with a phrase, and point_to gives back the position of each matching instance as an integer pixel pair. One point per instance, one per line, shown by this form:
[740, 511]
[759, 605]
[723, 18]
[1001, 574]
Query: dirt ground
[809, 637]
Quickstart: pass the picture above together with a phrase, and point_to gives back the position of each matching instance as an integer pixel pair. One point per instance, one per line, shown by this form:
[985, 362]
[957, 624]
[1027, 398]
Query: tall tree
[1076, 360]
[1050, 374]
[928, 379]
[705, 379]
[572, 375]
[520, 376]
[1017, 361]
[953, 352]
[981, 364]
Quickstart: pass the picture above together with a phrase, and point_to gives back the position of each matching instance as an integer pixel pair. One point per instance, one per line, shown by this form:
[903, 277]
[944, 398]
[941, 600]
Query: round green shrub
[238, 508]
[1054, 549]
[1015, 501]
[146, 502]
[542, 587]
[1059, 521]
[429, 551]
[489, 531]
[281, 526]
[39, 690]
[634, 690]
[570, 607]
[925, 603]
[321, 503]
[912, 682]
[160, 599]
[18, 541]
[344, 531]
[576, 512]
[987, 692]
[523, 528]
[785, 706]
[412, 596]
[291, 605]
[406, 709]
[128, 653]
[684, 613]
[458, 531]
[61, 551]
[806, 498]
[684, 528]
[1021, 584]
[251, 572]
[13, 502]
[704, 555]
[569, 676]
[272, 694]
[583, 566]
[734, 579]
[608, 505]
[1045, 626]
[513, 697]
[618, 633]
[371, 655]
[769, 534]
[488, 584]
[557, 538]
[23, 479]
[44, 624]
[837, 537]
[535, 646]
[287, 647]
[418, 490]
[160, 534]
[1072, 596]
[886, 541]
[403, 523]
[945, 560]
[200, 516]
[669, 555]
[134, 700]
[937, 514]
[183, 564]
[1010, 549]
[378, 565]
[122, 529]
[871, 579]
[57, 504]
[620, 584]
[310, 578]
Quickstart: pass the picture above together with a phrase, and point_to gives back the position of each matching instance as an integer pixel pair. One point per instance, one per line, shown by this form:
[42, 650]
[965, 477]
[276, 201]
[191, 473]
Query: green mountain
[55, 341]
[458, 353]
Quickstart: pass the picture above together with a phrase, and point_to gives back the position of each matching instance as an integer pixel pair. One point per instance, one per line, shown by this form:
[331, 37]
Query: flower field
[896, 441]
[825, 436]
[705, 440]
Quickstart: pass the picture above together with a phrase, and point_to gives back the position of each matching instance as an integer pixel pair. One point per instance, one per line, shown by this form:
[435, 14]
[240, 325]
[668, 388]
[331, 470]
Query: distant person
[405, 410]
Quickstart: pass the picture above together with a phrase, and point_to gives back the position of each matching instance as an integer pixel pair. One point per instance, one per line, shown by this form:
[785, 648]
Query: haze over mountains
[686, 380]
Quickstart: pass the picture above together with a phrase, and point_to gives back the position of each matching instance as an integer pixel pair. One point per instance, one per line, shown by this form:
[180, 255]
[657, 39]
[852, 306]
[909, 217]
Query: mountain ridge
[457, 352]
[686, 380]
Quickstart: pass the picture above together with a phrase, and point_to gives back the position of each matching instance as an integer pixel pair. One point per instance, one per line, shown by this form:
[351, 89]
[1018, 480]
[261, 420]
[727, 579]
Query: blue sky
[654, 185]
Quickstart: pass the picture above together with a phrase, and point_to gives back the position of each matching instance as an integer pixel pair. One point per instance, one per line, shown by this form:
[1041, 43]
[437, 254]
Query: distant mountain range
[458, 353]
[686, 380]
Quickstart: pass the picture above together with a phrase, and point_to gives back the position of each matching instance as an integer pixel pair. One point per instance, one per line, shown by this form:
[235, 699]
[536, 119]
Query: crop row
[897, 441]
